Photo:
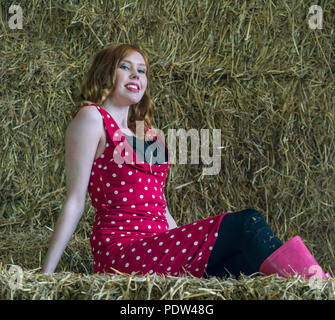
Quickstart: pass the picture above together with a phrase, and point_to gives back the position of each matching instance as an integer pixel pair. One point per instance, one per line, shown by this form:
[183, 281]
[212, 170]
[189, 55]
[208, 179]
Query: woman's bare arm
[170, 220]
[64, 229]
[81, 141]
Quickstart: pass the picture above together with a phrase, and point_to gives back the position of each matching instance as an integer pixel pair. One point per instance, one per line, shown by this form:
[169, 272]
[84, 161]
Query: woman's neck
[119, 114]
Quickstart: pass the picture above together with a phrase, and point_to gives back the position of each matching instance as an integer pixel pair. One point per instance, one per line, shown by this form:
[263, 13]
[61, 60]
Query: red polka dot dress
[130, 232]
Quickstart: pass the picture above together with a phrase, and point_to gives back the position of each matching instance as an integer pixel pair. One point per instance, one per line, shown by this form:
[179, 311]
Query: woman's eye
[140, 71]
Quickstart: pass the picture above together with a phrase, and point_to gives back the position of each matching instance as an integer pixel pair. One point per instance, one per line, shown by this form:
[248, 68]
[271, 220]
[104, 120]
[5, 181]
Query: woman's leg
[233, 265]
[245, 240]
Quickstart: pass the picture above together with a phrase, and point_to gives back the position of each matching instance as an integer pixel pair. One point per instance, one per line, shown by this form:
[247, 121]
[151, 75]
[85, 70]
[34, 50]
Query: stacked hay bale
[254, 70]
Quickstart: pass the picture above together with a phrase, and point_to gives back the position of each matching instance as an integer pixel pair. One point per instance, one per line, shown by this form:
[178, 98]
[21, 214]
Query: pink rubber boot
[291, 258]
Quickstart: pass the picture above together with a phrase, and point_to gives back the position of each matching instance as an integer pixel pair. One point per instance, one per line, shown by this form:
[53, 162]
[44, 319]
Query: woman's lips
[132, 88]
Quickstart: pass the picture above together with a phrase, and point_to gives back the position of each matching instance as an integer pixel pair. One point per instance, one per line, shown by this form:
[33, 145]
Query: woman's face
[131, 80]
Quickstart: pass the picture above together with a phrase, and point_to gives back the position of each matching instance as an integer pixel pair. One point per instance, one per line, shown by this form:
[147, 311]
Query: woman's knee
[251, 221]
[251, 216]
[242, 224]
[251, 212]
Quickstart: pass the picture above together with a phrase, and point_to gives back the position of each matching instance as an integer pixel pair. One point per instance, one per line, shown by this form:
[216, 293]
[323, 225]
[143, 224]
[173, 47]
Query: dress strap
[112, 127]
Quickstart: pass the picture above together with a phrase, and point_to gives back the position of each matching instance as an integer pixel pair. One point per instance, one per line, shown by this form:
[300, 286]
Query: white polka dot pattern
[130, 232]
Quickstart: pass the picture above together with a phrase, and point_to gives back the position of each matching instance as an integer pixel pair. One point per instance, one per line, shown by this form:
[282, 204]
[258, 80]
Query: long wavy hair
[100, 79]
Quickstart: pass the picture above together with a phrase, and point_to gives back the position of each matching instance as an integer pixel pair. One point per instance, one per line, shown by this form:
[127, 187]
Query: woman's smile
[133, 87]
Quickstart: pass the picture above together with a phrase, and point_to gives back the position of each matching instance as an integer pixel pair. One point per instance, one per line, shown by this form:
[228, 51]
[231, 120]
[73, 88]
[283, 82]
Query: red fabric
[130, 232]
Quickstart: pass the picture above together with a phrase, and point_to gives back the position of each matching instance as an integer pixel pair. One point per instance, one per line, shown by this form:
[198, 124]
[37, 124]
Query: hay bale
[254, 70]
[74, 286]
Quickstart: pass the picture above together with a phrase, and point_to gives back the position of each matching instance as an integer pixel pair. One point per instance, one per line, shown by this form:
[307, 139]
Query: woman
[133, 232]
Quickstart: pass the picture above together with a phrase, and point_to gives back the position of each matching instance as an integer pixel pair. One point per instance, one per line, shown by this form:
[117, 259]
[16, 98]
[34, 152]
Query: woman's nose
[134, 73]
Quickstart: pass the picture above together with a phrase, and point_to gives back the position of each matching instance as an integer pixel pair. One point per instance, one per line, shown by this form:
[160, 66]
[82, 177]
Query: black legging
[244, 241]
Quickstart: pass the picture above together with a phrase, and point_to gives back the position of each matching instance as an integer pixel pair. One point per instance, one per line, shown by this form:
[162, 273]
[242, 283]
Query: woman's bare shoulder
[87, 112]
[81, 143]
[85, 117]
